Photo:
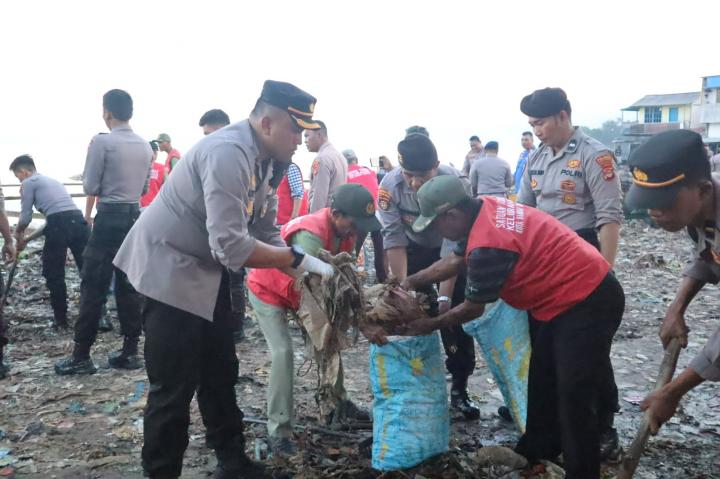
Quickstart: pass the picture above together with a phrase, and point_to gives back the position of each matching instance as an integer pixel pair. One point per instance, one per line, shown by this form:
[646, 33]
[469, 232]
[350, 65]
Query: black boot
[461, 402]
[127, 357]
[60, 321]
[610, 449]
[79, 363]
[233, 463]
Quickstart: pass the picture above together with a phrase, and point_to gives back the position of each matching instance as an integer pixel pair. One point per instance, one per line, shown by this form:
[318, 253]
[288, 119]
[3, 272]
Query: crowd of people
[232, 219]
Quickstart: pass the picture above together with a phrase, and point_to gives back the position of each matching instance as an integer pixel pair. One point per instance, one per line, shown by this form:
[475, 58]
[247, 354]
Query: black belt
[63, 214]
[118, 207]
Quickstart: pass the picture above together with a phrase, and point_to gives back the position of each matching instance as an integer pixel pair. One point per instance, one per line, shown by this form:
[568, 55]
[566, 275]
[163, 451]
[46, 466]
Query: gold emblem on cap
[370, 208]
[640, 175]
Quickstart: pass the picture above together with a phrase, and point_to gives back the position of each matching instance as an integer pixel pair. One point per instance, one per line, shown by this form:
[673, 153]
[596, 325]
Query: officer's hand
[312, 264]
[661, 406]
[419, 327]
[674, 326]
[89, 220]
[443, 307]
[20, 244]
[374, 333]
[9, 252]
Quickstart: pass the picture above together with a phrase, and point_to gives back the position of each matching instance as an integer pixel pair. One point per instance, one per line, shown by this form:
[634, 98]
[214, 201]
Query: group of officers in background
[219, 211]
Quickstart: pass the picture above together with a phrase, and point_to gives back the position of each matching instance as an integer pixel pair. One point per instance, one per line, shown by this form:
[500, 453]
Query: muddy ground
[91, 426]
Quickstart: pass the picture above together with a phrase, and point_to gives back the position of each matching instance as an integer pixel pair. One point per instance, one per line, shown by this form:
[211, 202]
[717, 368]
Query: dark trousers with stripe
[459, 346]
[569, 367]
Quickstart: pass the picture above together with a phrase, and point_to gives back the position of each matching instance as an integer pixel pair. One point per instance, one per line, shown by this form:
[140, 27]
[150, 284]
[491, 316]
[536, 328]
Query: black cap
[299, 104]
[492, 145]
[154, 145]
[545, 102]
[662, 166]
[417, 153]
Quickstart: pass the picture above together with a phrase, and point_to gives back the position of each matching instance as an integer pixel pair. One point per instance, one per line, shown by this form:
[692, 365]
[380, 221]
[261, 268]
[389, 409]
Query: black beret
[662, 165]
[417, 153]
[298, 103]
[545, 102]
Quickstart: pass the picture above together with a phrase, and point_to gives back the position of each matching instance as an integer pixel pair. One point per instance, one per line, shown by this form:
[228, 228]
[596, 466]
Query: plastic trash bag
[503, 335]
[411, 422]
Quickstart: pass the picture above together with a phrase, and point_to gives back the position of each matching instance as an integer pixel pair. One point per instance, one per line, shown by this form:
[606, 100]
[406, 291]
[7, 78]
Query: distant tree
[609, 131]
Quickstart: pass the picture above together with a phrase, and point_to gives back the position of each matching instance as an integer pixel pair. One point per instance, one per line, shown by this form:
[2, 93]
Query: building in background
[652, 114]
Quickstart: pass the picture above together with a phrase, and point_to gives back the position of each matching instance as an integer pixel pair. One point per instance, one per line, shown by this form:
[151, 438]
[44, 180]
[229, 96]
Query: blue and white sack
[503, 335]
[411, 422]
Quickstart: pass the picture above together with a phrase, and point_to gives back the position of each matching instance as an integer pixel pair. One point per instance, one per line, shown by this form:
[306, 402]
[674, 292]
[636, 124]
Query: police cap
[662, 165]
[299, 104]
[417, 153]
[545, 102]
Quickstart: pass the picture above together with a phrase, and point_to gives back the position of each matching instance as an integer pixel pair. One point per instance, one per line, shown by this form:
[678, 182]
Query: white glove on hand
[313, 265]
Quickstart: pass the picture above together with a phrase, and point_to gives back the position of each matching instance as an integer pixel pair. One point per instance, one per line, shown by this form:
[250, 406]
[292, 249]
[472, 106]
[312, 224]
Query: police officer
[409, 252]
[117, 171]
[572, 176]
[65, 228]
[672, 180]
[329, 168]
[215, 213]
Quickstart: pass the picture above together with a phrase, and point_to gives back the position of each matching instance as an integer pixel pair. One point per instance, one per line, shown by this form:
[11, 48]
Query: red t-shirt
[364, 176]
[554, 269]
[157, 178]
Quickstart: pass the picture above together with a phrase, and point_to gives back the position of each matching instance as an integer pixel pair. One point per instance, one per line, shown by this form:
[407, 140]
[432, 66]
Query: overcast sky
[458, 68]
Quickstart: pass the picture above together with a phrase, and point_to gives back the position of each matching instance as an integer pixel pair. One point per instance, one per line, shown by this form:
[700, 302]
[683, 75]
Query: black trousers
[112, 223]
[378, 253]
[459, 346]
[63, 230]
[609, 396]
[569, 364]
[185, 354]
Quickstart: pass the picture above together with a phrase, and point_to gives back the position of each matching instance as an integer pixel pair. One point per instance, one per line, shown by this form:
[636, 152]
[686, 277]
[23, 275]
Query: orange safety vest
[272, 286]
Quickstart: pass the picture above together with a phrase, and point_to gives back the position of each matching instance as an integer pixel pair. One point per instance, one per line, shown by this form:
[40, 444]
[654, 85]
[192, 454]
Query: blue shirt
[520, 168]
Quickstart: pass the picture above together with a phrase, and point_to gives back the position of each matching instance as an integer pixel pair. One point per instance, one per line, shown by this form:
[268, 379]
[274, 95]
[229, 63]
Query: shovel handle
[667, 369]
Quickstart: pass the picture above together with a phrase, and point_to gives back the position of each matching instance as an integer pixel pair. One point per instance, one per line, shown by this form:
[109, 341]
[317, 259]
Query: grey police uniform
[491, 175]
[398, 208]
[329, 170]
[705, 267]
[65, 228]
[206, 218]
[579, 186]
[117, 171]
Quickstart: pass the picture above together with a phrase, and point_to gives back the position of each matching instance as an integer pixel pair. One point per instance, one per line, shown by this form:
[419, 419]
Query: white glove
[313, 265]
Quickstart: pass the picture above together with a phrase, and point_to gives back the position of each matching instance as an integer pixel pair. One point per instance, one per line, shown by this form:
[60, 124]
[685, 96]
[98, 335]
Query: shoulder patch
[384, 198]
[607, 163]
